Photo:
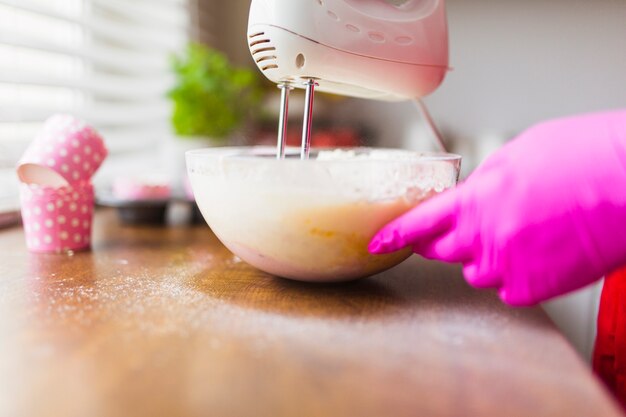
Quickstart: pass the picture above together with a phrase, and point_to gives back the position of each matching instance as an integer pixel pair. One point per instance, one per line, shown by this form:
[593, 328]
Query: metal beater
[305, 146]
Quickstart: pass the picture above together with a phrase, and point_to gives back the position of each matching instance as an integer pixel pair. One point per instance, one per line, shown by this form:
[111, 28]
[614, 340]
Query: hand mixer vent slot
[262, 51]
[265, 58]
[259, 42]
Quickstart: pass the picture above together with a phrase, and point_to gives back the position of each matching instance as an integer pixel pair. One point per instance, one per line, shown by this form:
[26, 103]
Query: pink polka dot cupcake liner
[66, 151]
[57, 219]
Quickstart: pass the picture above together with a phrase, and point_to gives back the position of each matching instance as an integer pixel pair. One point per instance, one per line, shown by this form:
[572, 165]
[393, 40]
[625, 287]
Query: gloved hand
[544, 215]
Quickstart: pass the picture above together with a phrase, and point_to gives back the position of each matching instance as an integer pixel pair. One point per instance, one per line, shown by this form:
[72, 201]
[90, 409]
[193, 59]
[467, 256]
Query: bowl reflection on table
[311, 220]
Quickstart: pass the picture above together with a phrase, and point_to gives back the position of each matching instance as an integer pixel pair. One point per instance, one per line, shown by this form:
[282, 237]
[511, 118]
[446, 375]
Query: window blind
[106, 61]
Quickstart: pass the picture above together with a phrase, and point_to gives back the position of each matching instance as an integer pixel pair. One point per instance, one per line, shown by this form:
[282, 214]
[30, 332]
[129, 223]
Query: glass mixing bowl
[311, 220]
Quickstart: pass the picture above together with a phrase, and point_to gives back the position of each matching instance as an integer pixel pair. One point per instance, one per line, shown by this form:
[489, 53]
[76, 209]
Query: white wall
[518, 62]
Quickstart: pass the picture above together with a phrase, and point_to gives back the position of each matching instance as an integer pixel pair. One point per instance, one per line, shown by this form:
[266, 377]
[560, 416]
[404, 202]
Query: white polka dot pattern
[67, 146]
[57, 219]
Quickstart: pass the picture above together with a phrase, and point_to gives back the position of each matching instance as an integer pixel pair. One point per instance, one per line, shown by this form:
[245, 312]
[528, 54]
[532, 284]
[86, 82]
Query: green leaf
[211, 97]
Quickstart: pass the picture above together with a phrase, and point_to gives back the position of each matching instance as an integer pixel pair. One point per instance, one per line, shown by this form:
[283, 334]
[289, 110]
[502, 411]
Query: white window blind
[106, 61]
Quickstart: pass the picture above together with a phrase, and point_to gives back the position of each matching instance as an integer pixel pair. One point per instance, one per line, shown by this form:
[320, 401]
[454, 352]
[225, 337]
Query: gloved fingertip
[470, 271]
[385, 241]
[375, 246]
[380, 245]
[484, 279]
[508, 298]
[472, 276]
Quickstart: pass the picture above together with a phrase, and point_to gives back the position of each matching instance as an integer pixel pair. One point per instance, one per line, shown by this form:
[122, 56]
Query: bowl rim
[242, 153]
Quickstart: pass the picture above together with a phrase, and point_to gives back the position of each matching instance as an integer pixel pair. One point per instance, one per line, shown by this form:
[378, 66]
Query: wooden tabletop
[166, 322]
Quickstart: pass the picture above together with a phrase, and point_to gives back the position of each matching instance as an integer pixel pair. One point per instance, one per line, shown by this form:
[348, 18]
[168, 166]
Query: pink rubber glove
[543, 216]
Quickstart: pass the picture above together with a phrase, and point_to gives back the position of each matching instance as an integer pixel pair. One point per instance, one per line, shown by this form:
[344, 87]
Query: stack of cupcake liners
[57, 196]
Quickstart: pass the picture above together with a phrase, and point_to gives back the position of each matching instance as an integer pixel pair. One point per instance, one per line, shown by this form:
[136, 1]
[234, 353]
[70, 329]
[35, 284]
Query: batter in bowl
[312, 220]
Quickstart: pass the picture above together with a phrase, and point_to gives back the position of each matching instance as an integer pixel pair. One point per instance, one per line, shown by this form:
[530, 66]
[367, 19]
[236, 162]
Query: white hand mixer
[379, 49]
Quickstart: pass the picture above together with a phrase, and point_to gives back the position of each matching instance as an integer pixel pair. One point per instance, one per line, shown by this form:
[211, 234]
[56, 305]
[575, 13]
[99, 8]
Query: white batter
[303, 232]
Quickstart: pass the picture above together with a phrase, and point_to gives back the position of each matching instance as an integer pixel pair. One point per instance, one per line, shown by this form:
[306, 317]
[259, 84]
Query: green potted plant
[211, 98]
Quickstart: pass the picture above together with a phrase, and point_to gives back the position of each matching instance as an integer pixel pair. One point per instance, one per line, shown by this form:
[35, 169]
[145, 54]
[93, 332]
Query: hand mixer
[378, 49]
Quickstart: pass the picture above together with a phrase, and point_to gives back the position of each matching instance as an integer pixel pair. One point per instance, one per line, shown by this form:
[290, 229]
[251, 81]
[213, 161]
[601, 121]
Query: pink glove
[543, 216]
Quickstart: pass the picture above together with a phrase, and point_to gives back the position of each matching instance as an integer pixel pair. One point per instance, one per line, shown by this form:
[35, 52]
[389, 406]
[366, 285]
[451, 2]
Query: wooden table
[166, 322]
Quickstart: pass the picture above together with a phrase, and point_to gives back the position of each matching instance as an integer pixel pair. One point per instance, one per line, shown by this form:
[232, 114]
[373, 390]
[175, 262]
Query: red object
[609, 356]
[320, 137]
[326, 138]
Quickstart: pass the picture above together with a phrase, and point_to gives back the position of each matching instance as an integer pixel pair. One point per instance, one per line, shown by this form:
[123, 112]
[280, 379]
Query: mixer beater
[305, 146]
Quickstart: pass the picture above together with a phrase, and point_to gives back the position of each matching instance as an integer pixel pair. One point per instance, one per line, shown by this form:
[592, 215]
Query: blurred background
[110, 62]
